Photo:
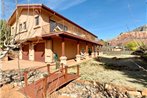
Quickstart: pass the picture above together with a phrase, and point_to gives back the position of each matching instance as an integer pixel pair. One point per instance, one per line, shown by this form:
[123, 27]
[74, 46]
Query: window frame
[24, 25]
[37, 22]
[20, 27]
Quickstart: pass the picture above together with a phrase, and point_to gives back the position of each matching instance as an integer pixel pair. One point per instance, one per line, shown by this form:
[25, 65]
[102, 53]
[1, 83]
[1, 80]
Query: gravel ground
[119, 71]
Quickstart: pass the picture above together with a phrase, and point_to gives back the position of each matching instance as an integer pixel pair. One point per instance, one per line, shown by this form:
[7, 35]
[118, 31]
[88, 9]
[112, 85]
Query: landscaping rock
[87, 89]
[16, 76]
[144, 92]
[134, 94]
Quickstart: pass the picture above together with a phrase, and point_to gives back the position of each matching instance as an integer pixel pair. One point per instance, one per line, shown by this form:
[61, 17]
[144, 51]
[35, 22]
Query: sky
[104, 18]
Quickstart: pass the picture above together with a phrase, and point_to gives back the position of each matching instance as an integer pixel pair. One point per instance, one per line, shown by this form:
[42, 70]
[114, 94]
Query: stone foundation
[96, 54]
[78, 58]
[87, 56]
[63, 59]
[92, 55]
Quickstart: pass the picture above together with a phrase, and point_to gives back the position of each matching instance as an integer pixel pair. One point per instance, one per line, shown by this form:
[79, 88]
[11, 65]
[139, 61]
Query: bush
[131, 46]
[144, 57]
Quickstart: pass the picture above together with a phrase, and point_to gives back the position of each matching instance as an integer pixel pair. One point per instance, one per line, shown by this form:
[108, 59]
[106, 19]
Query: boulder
[144, 92]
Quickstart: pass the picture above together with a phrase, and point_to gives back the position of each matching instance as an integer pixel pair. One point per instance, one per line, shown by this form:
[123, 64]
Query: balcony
[72, 29]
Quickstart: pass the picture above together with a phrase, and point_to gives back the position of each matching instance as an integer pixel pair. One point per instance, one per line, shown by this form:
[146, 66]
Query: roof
[48, 9]
[69, 35]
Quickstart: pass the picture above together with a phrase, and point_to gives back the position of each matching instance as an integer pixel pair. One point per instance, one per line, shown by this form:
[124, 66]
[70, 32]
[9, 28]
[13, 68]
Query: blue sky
[104, 18]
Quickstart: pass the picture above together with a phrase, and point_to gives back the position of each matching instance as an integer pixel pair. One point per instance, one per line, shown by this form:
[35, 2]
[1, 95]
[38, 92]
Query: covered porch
[70, 47]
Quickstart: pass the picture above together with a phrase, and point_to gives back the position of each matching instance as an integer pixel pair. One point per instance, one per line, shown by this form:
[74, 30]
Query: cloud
[63, 4]
[57, 5]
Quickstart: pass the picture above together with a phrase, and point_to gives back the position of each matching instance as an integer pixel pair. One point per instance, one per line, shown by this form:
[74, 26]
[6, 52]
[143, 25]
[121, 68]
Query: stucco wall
[31, 30]
[48, 51]
[31, 51]
[57, 46]
[70, 48]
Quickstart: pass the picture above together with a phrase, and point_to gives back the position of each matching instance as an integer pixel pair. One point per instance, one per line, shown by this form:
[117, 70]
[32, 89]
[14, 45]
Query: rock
[107, 86]
[134, 94]
[63, 96]
[87, 87]
[15, 84]
[13, 94]
[7, 87]
[144, 92]
[7, 80]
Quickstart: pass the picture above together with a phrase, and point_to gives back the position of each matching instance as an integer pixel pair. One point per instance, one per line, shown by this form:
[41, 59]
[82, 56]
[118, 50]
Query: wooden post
[66, 72]
[44, 86]
[63, 47]
[86, 47]
[62, 68]
[48, 68]
[78, 48]
[26, 78]
[78, 66]
[92, 48]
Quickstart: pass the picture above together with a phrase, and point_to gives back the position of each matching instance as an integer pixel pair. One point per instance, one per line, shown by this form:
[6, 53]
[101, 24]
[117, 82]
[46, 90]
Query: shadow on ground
[128, 67]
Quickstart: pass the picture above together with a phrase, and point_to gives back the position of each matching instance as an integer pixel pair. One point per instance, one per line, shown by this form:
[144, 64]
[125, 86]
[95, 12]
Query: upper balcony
[46, 29]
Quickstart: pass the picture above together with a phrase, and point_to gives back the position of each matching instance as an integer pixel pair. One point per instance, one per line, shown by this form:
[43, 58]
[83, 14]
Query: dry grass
[97, 71]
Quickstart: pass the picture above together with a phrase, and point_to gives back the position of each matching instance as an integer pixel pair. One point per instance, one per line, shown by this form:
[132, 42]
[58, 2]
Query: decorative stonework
[92, 55]
[87, 56]
[96, 54]
[78, 58]
[63, 59]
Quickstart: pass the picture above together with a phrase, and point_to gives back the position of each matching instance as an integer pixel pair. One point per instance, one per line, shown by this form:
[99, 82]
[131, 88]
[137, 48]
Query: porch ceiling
[68, 35]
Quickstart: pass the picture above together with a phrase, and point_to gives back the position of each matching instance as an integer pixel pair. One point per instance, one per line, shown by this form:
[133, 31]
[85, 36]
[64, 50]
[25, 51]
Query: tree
[4, 33]
[131, 45]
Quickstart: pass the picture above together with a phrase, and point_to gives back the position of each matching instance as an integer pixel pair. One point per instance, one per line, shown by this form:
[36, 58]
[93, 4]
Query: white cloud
[57, 5]
[63, 4]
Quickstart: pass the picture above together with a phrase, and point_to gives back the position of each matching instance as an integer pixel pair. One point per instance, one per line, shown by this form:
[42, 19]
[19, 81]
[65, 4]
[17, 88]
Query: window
[65, 28]
[24, 26]
[20, 27]
[52, 25]
[36, 20]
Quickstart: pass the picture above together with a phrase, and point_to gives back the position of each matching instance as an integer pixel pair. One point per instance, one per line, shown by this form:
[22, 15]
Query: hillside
[138, 35]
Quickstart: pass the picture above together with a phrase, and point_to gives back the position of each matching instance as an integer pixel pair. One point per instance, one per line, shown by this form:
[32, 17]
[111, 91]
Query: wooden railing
[63, 69]
[49, 83]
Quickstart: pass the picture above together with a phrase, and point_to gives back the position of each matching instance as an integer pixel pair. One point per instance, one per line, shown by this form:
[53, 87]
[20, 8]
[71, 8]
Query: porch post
[63, 58]
[87, 55]
[20, 52]
[96, 52]
[92, 54]
[48, 51]
[63, 47]
[78, 52]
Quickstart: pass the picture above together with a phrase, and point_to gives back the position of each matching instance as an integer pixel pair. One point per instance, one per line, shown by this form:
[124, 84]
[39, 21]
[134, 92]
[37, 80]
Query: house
[43, 33]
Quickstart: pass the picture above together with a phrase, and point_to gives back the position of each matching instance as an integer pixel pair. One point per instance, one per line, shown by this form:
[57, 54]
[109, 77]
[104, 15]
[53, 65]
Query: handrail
[64, 71]
[26, 72]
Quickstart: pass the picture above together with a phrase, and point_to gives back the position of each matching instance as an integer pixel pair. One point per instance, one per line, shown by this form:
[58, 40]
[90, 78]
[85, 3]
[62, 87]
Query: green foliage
[132, 46]
[4, 32]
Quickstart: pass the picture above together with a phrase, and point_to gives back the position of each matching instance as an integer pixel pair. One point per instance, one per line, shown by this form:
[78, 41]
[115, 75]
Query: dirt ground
[123, 70]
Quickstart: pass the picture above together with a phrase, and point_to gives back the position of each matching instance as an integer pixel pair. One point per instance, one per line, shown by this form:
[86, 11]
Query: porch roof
[69, 35]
